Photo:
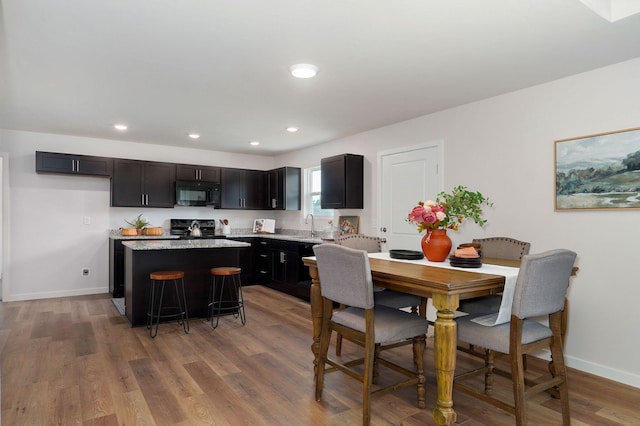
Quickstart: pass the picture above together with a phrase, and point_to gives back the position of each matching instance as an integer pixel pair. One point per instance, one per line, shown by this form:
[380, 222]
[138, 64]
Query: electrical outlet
[86, 220]
[85, 272]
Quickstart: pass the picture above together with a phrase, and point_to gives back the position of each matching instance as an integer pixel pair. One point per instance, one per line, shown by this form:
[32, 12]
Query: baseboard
[596, 369]
[54, 294]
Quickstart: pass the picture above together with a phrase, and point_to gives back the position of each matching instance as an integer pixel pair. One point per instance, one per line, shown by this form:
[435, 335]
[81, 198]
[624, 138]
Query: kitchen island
[194, 257]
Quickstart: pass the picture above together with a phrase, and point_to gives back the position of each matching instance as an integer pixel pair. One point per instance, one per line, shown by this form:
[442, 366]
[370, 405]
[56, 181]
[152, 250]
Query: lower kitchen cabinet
[116, 267]
[248, 261]
[288, 274]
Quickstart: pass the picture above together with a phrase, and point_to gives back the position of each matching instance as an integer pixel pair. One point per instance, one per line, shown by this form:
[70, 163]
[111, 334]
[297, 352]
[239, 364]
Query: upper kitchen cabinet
[53, 162]
[342, 182]
[200, 173]
[284, 188]
[143, 184]
[243, 189]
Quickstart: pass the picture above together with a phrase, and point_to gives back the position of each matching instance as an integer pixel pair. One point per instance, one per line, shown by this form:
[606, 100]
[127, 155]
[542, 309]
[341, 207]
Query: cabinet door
[342, 182]
[332, 194]
[284, 188]
[255, 190]
[127, 183]
[243, 189]
[231, 184]
[159, 182]
[143, 184]
[200, 173]
[52, 162]
[284, 266]
[276, 188]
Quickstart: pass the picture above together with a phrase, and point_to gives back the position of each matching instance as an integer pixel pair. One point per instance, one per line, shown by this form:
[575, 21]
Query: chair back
[542, 283]
[503, 247]
[345, 275]
[360, 242]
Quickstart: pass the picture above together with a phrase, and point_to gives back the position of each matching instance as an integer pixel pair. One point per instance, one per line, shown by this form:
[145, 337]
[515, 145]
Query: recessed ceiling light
[303, 70]
[194, 135]
[292, 129]
[120, 126]
[254, 143]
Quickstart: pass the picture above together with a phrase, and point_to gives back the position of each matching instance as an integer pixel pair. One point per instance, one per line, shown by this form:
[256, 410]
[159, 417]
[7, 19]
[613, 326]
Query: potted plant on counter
[138, 225]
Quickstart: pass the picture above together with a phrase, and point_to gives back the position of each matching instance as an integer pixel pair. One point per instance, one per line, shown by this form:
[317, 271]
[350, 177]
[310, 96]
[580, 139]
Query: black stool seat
[225, 298]
[156, 309]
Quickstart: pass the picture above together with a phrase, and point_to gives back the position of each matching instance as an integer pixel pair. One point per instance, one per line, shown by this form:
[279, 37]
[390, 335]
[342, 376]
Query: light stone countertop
[183, 244]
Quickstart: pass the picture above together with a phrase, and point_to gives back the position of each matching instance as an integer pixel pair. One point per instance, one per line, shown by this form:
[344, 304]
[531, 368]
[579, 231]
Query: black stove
[181, 227]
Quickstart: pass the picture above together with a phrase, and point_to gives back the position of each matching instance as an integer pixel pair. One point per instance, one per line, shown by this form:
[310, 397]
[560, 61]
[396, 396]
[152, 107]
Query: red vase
[436, 245]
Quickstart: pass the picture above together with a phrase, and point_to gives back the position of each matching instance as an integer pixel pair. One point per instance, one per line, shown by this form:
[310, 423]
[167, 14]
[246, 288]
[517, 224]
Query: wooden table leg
[445, 341]
[316, 316]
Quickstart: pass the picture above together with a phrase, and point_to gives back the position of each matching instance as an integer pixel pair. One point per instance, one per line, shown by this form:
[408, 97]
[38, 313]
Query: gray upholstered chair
[381, 296]
[540, 290]
[497, 248]
[345, 278]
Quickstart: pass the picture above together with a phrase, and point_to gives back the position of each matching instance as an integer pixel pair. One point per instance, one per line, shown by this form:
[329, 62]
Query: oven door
[195, 193]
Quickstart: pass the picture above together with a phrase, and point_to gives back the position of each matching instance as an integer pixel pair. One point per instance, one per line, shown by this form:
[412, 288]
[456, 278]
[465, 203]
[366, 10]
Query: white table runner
[509, 273]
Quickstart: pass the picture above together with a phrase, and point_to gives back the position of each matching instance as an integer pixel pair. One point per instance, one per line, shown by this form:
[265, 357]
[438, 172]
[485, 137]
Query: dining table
[445, 286]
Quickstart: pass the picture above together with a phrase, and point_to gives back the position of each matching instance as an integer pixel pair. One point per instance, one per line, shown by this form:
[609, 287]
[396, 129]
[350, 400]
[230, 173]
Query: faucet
[306, 221]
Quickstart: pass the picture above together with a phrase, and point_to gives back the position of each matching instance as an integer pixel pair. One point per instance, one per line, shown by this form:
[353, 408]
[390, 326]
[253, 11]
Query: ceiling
[220, 67]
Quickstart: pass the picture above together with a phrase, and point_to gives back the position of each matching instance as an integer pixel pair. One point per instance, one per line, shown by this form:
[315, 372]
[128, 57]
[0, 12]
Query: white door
[406, 176]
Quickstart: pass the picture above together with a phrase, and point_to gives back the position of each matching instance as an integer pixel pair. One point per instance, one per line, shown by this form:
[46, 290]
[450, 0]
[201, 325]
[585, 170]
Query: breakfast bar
[194, 257]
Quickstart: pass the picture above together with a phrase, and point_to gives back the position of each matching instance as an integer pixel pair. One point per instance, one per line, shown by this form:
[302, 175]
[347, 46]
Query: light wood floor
[74, 361]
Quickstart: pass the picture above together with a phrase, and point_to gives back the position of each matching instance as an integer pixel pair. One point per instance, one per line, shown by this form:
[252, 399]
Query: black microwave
[197, 193]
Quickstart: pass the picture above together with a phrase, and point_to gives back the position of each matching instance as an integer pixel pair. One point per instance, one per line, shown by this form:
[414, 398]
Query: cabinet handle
[142, 199]
[195, 172]
[75, 166]
[264, 255]
[283, 257]
[274, 203]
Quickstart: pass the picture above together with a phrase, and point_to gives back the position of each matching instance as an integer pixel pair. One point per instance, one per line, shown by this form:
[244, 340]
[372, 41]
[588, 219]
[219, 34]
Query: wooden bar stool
[156, 310]
[223, 302]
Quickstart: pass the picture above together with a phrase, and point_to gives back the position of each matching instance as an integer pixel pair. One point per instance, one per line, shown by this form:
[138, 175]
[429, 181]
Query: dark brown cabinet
[53, 162]
[143, 184]
[199, 173]
[243, 189]
[285, 188]
[342, 178]
[262, 265]
[288, 273]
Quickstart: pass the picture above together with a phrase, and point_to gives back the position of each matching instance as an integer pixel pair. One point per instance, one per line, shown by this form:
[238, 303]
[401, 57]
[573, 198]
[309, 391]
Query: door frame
[5, 225]
[439, 143]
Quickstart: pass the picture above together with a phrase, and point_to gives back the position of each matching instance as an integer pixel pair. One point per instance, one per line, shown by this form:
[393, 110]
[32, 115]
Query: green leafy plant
[139, 222]
[449, 210]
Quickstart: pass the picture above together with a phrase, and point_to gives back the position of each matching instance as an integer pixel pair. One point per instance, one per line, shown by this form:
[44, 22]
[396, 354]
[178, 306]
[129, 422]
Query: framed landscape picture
[348, 224]
[599, 172]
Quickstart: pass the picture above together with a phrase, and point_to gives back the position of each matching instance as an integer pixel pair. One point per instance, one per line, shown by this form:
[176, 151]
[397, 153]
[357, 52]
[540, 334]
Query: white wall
[50, 244]
[502, 147]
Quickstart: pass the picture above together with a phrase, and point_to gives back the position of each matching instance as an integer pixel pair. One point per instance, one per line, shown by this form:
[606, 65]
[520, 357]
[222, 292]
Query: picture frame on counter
[348, 225]
[598, 172]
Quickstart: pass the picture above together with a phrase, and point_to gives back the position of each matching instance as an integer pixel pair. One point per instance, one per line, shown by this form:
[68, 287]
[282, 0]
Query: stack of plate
[406, 254]
[465, 262]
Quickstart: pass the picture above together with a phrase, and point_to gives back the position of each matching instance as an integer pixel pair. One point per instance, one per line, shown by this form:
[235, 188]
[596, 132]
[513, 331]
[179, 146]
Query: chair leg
[339, 344]
[367, 380]
[488, 375]
[517, 373]
[419, 344]
[325, 337]
[559, 368]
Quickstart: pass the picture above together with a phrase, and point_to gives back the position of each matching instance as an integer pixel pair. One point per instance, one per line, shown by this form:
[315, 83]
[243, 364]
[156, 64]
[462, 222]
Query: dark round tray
[406, 254]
